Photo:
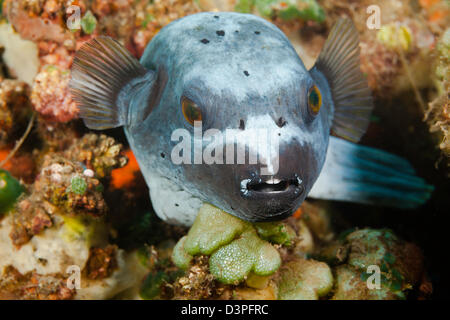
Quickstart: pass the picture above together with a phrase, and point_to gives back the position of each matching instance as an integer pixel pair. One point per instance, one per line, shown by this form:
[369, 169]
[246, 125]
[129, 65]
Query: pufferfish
[240, 72]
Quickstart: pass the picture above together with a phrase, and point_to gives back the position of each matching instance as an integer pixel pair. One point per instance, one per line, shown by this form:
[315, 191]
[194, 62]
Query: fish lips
[271, 198]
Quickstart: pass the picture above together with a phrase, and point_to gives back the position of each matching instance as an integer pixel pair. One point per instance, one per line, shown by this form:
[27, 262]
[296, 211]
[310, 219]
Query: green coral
[276, 232]
[234, 246]
[78, 185]
[10, 190]
[285, 9]
[180, 257]
[244, 6]
[374, 245]
[351, 284]
[88, 22]
[302, 279]
[231, 264]
[212, 229]
[400, 264]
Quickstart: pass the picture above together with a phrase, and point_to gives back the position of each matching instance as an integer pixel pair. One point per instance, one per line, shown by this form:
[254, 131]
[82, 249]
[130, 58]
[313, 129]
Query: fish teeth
[273, 181]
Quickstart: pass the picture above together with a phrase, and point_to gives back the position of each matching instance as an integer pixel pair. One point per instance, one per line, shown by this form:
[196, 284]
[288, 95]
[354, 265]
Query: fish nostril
[241, 124]
[281, 122]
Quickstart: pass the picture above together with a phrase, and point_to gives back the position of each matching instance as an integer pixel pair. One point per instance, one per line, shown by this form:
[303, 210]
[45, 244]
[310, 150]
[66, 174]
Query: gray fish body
[238, 73]
[239, 69]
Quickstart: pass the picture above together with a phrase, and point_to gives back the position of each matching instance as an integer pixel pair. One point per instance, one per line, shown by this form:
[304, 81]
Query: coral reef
[63, 187]
[396, 54]
[234, 246]
[216, 267]
[50, 95]
[198, 283]
[288, 15]
[46, 23]
[65, 207]
[99, 153]
[33, 286]
[284, 13]
[438, 114]
[400, 264]
[20, 56]
[405, 55]
[101, 263]
[302, 279]
[15, 107]
[56, 136]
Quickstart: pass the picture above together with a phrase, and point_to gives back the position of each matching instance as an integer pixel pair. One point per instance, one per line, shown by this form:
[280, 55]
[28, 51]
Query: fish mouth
[271, 186]
[271, 198]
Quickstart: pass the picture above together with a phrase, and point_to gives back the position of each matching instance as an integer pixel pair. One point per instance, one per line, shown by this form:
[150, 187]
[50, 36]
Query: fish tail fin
[339, 62]
[367, 175]
[101, 69]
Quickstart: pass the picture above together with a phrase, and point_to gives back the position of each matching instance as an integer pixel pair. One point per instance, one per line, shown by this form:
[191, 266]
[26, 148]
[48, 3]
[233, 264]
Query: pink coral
[50, 95]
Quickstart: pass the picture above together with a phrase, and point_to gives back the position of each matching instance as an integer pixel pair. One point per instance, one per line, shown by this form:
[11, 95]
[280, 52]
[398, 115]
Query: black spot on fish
[217, 17]
[246, 73]
[220, 33]
[204, 41]
[281, 122]
[177, 205]
[163, 155]
[242, 124]
[257, 32]
[237, 31]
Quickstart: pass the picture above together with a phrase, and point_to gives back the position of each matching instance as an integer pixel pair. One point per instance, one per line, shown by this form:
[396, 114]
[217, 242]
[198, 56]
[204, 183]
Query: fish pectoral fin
[340, 63]
[104, 79]
[367, 175]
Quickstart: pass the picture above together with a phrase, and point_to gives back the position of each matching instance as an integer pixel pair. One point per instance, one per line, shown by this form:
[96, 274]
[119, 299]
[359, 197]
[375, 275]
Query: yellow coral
[395, 36]
[77, 228]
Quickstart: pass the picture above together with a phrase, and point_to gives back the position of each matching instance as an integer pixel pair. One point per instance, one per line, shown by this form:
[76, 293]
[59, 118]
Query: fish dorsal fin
[339, 62]
[103, 74]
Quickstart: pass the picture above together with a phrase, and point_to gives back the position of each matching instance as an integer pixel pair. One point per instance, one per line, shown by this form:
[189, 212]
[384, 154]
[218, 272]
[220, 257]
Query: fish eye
[191, 111]
[314, 100]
